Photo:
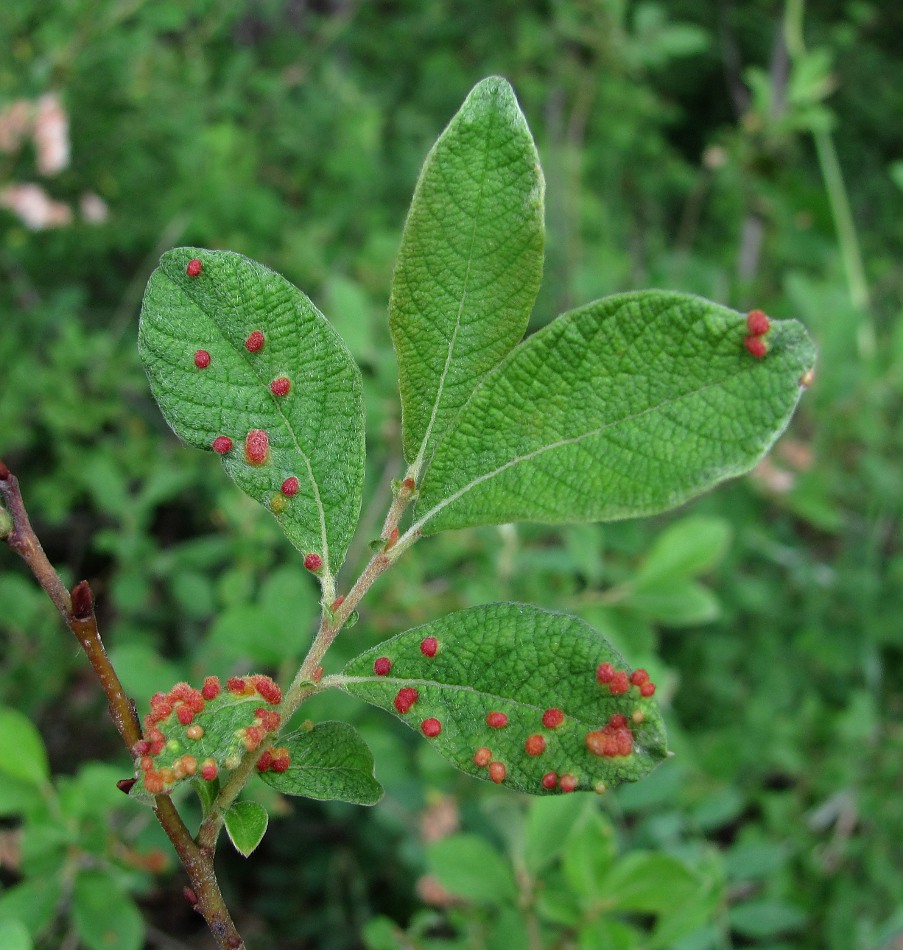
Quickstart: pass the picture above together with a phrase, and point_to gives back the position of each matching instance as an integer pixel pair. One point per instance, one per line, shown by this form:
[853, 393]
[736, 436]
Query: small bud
[125, 785]
[201, 359]
[313, 562]
[194, 268]
[647, 690]
[236, 685]
[550, 780]
[211, 688]
[482, 757]
[82, 601]
[497, 772]
[552, 718]
[337, 602]
[410, 484]
[757, 323]
[257, 447]
[382, 665]
[405, 699]
[222, 445]
[756, 346]
[431, 728]
[429, 646]
[265, 761]
[4, 471]
[535, 745]
[190, 896]
[254, 342]
[290, 486]
[496, 720]
[281, 386]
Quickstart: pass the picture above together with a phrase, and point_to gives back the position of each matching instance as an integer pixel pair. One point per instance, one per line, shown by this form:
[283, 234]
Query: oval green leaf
[331, 761]
[22, 752]
[246, 824]
[470, 262]
[315, 430]
[626, 407]
[517, 661]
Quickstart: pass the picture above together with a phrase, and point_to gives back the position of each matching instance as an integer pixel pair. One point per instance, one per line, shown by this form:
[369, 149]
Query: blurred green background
[750, 152]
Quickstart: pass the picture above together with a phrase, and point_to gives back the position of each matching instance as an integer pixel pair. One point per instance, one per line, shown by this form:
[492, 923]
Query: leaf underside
[315, 431]
[520, 661]
[625, 407]
[470, 262]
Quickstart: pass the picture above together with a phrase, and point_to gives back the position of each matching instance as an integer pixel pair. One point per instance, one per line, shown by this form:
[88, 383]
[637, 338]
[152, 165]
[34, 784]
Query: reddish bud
[647, 690]
[280, 386]
[184, 714]
[619, 684]
[605, 672]
[391, 540]
[236, 685]
[431, 728]
[194, 268]
[265, 761]
[550, 780]
[281, 760]
[638, 677]
[482, 757]
[125, 785]
[290, 486]
[552, 718]
[535, 745]
[382, 665]
[568, 783]
[313, 562]
[268, 689]
[257, 446]
[405, 699]
[141, 747]
[82, 601]
[211, 688]
[409, 483]
[190, 896]
[757, 323]
[254, 342]
[209, 770]
[756, 346]
[201, 359]
[318, 674]
[429, 646]
[497, 772]
[4, 471]
[338, 602]
[222, 444]
[195, 732]
[496, 720]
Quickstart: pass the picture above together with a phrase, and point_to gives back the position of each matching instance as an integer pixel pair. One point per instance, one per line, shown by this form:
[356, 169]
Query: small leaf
[626, 407]
[331, 761]
[194, 735]
[237, 350]
[509, 693]
[22, 752]
[34, 902]
[676, 603]
[649, 883]
[470, 868]
[105, 917]
[687, 548]
[246, 823]
[14, 935]
[470, 262]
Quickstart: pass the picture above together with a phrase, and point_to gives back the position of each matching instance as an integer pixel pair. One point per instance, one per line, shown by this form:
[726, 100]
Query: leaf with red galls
[519, 694]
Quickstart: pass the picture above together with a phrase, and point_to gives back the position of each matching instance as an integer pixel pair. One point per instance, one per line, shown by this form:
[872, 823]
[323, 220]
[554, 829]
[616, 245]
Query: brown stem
[77, 611]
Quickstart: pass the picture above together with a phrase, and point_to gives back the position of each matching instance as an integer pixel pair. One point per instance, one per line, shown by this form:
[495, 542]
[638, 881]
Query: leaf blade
[315, 430]
[625, 407]
[470, 261]
[520, 661]
[246, 824]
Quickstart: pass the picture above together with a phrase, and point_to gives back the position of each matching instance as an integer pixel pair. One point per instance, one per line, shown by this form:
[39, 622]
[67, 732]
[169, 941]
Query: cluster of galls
[182, 704]
[758, 324]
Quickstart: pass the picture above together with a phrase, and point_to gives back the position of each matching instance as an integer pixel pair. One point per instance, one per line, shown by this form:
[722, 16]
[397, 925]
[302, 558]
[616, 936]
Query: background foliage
[685, 146]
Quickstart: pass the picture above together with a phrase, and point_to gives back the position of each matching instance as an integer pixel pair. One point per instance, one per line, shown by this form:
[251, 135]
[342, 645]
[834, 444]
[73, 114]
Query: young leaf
[511, 693]
[22, 752]
[628, 406]
[193, 734]
[470, 868]
[470, 262]
[330, 761]
[246, 823]
[242, 363]
[103, 913]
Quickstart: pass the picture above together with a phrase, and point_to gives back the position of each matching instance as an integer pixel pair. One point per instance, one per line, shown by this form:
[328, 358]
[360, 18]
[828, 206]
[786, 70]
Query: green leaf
[330, 761]
[470, 262]
[549, 822]
[518, 661]
[591, 849]
[649, 883]
[628, 406]
[687, 548]
[33, 902]
[764, 918]
[315, 431]
[105, 917]
[22, 752]
[471, 868]
[675, 602]
[246, 823]
[14, 936]
[217, 736]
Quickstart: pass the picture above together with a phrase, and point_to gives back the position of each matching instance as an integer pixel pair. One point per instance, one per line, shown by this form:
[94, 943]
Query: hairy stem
[77, 610]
